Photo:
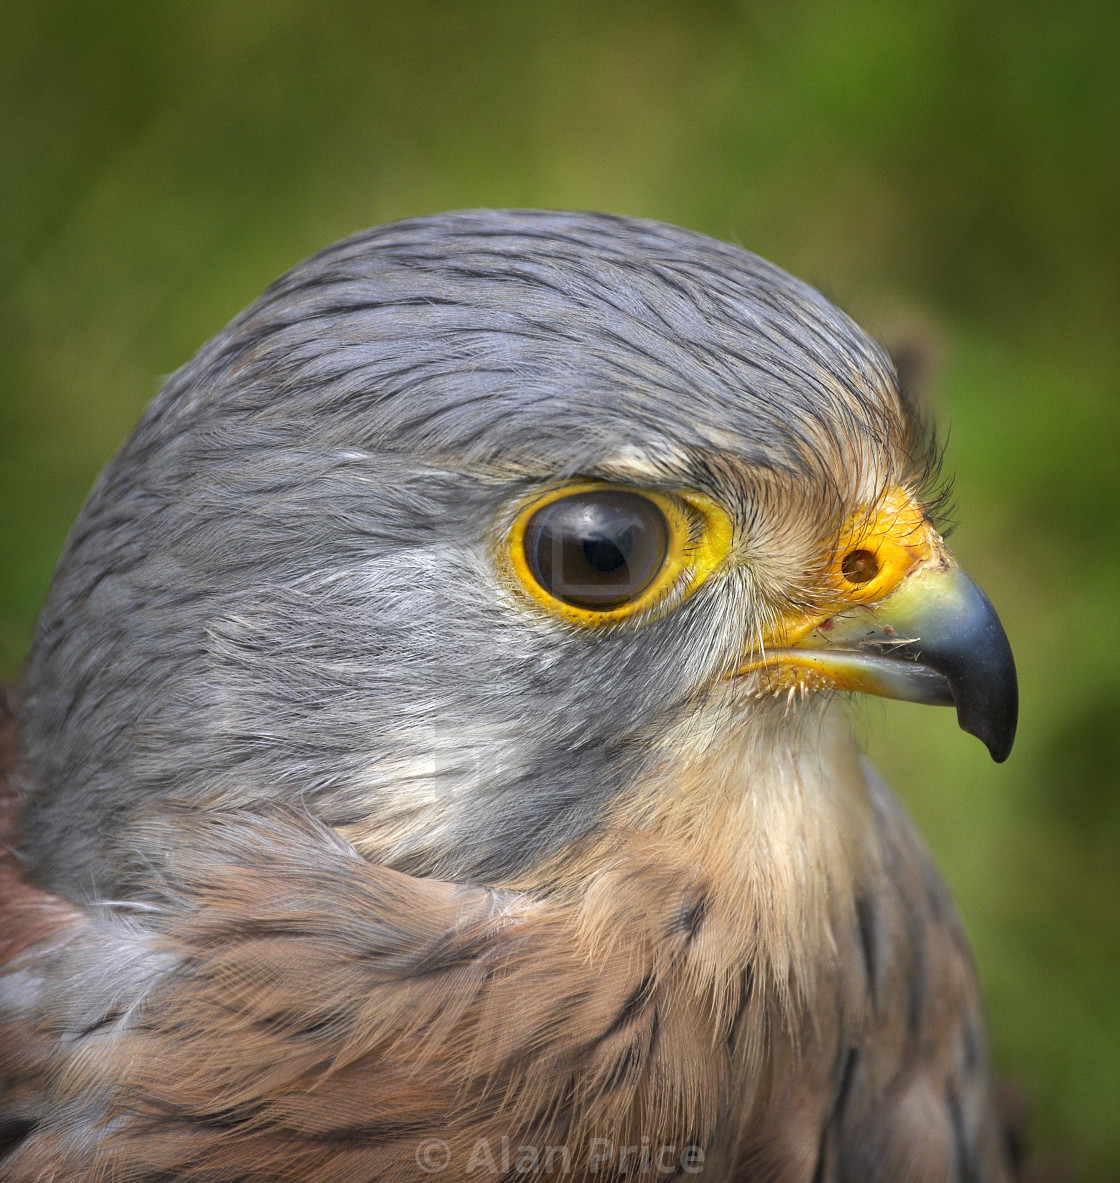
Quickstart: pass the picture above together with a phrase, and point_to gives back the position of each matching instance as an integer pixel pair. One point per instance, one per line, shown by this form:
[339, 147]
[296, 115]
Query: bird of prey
[433, 756]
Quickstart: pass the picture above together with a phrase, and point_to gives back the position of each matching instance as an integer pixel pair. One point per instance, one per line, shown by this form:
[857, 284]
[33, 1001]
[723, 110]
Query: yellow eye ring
[698, 537]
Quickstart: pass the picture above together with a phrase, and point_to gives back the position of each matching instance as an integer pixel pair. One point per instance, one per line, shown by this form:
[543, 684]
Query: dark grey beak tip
[994, 728]
[976, 661]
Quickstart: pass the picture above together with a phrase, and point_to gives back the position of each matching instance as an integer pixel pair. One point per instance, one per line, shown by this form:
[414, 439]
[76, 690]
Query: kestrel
[431, 760]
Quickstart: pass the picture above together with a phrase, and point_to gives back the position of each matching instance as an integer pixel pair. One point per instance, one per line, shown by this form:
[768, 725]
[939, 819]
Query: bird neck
[748, 838]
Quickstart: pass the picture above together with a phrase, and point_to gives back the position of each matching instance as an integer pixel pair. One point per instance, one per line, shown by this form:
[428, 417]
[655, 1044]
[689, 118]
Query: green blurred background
[948, 171]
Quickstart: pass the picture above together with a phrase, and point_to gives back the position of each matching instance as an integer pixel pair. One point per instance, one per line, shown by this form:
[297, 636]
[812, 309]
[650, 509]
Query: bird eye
[594, 553]
[597, 549]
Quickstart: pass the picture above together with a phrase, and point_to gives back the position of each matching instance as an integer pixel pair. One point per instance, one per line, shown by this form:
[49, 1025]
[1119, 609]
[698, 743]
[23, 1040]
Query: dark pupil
[598, 549]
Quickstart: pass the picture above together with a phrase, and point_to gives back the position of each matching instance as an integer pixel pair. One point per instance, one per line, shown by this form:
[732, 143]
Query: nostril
[859, 566]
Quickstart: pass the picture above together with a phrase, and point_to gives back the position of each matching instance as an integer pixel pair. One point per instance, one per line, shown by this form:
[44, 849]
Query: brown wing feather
[330, 1013]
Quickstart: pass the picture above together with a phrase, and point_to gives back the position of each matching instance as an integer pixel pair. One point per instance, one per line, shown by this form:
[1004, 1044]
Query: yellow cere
[700, 537]
[876, 551]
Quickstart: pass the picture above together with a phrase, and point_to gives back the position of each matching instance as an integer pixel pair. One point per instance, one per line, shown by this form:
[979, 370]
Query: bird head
[467, 523]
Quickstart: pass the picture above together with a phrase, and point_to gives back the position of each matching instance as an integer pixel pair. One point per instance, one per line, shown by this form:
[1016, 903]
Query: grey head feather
[283, 587]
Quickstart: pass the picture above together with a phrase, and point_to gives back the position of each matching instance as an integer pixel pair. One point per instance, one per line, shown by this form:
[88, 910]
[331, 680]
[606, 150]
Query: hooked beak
[936, 639]
[933, 638]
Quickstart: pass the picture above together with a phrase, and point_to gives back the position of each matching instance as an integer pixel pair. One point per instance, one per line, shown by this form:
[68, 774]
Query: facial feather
[284, 585]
